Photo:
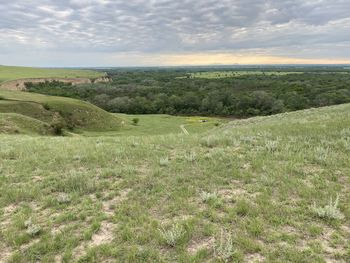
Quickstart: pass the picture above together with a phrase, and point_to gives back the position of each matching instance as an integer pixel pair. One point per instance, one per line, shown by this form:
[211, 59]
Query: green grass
[232, 74]
[72, 113]
[243, 192]
[160, 124]
[12, 123]
[8, 73]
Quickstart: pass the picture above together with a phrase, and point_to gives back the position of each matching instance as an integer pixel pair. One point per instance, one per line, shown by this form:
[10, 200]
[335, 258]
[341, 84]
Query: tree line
[168, 92]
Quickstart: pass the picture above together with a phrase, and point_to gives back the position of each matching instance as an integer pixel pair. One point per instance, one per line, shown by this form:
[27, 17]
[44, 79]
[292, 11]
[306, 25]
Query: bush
[223, 247]
[135, 121]
[46, 106]
[329, 211]
[57, 127]
[173, 235]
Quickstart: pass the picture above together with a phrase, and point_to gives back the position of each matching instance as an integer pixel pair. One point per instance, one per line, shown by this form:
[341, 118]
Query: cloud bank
[165, 32]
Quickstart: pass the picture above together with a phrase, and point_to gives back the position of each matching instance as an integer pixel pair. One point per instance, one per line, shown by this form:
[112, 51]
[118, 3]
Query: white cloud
[309, 28]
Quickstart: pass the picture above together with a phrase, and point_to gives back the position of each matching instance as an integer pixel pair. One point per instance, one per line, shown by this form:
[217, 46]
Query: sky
[98, 33]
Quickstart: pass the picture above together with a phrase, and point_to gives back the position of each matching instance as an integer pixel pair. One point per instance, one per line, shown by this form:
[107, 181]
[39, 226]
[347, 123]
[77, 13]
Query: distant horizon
[186, 66]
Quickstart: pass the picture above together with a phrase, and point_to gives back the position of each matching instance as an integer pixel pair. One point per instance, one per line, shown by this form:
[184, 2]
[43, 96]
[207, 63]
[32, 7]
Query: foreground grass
[12, 73]
[243, 192]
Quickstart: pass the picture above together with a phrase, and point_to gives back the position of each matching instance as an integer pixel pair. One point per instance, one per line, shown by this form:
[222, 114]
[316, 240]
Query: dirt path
[182, 126]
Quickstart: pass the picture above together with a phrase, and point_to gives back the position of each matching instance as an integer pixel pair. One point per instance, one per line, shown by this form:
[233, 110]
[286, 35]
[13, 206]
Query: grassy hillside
[274, 189]
[71, 113]
[12, 73]
[12, 123]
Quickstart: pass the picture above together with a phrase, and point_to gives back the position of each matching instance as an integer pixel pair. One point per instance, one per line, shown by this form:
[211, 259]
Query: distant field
[230, 74]
[8, 73]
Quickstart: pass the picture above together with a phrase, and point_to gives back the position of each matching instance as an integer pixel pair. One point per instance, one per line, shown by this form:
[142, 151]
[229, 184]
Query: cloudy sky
[169, 32]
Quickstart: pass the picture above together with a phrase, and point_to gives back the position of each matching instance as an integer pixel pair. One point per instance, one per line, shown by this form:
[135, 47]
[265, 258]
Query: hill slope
[70, 113]
[253, 190]
[12, 73]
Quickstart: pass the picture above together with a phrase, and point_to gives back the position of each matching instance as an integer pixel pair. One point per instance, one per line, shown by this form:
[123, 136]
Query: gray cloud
[295, 28]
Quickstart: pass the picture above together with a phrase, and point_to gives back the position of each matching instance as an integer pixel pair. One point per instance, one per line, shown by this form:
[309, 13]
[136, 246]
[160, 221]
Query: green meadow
[265, 189]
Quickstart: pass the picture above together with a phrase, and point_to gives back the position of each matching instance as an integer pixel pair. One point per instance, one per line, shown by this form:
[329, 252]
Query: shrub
[206, 197]
[223, 247]
[57, 127]
[46, 106]
[63, 198]
[329, 211]
[135, 121]
[32, 229]
[173, 235]
[164, 161]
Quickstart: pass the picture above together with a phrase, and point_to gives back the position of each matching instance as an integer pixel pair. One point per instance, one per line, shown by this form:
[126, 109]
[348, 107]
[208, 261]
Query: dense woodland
[172, 91]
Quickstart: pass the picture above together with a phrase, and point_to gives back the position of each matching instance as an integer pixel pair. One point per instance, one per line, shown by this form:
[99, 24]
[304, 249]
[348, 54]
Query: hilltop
[13, 73]
[273, 189]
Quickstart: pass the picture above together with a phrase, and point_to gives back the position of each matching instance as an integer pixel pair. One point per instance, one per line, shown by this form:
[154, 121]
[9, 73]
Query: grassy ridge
[73, 113]
[252, 190]
[12, 73]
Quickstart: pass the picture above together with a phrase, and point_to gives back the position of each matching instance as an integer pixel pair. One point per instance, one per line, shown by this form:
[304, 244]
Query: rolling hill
[70, 113]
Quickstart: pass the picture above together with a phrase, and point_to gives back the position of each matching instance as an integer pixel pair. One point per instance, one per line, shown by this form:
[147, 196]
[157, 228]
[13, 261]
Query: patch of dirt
[312, 169]
[197, 245]
[8, 211]
[229, 195]
[5, 253]
[103, 236]
[109, 205]
[58, 259]
[256, 257]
